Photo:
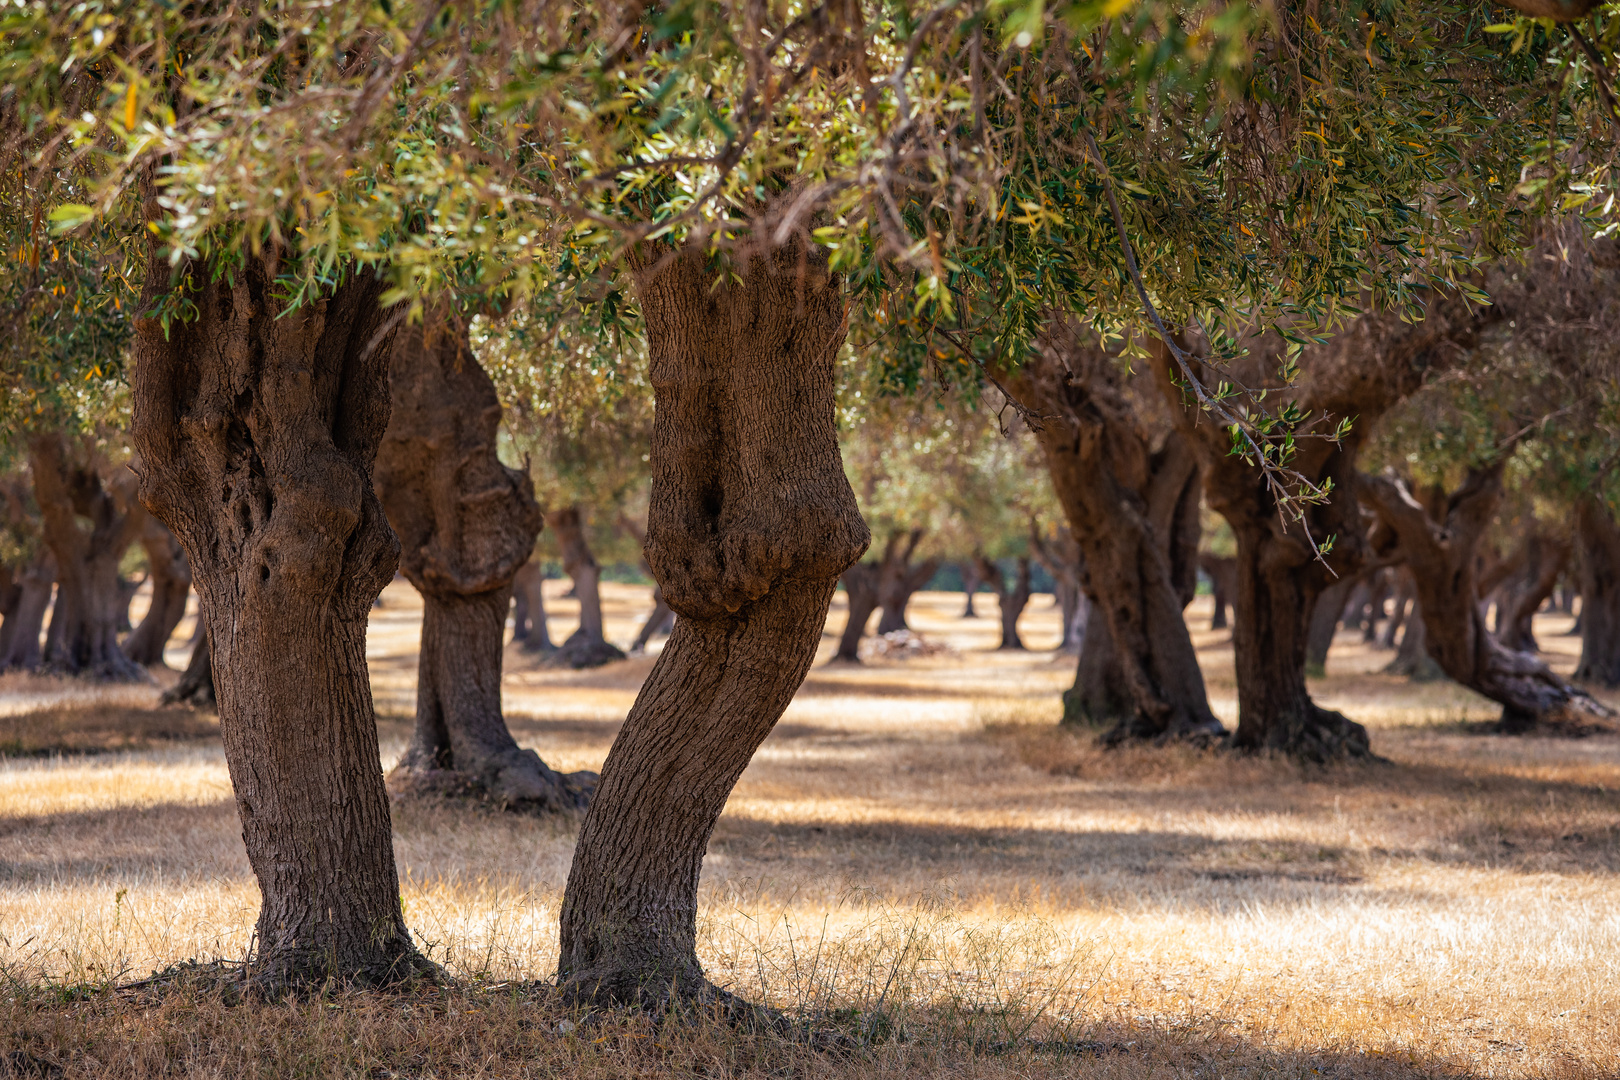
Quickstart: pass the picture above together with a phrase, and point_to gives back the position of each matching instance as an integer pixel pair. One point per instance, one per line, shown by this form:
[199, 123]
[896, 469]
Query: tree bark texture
[861, 590]
[83, 636]
[19, 637]
[750, 525]
[466, 523]
[257, 427]
[1361, 372]
[899, 578]
[1442, 556]
[1131, 507]
[586, 646]
[170, 576]
[529, 610]
[1599, 538]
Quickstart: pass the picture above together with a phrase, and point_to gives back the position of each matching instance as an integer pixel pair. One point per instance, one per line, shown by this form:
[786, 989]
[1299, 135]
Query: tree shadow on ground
[96, 729]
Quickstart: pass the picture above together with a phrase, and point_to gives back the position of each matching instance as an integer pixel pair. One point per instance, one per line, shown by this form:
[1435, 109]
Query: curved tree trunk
[970, 585]
[750, 525]
[466, 524]
[529, 610]
[1011, 601]
[899, 579]
[27, 619]
[196, 685]
[1324, 622]
[1523, 596]
[1441, 554]
[257, 427]
[587, 646]
[1130, 510]
[1599, 537]
[861, 589]
[171, 585]
[83, 637]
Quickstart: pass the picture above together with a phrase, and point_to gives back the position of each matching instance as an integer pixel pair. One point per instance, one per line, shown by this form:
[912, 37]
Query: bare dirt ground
[916, 852]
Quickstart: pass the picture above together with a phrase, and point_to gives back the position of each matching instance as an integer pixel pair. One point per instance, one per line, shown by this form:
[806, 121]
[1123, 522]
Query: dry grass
[916, 855]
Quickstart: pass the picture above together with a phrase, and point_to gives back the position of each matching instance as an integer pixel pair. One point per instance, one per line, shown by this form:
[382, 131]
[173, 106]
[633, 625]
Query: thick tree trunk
[83, 637]
[196, 685]
[257, 427]
[1599, 538]
[751, 523]
[899, 579]
[861, 590]
[970, 585]
[529, 610]
[1523, 596]
[1222, 571]
[1100, 692]
[587, 646]
[27, 618]
[170, 576]
[466, 524]
[1441, 554]
[1130, 509]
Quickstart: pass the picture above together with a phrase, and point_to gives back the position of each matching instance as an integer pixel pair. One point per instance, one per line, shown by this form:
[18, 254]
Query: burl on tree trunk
[1599, 538]
[170, 576]
[750, 525]
[1131, 507]
[257, 427]
[83, 637]
[466, 523]
[899, 579]
[1442, 554]
[861, 590]
[587, 646]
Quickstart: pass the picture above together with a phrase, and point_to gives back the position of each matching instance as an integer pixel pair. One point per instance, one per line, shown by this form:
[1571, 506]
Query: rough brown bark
[171, 585]
[196, 685]
[19, 647]
[257, 427]
[466, 523]
[1599, 538]
[83, 636]
[899, 579]
[750, 525]
[1128, 504]
[585, 647]
[1522, 597]
[861, 590]
[1441, 554]
[529, 610]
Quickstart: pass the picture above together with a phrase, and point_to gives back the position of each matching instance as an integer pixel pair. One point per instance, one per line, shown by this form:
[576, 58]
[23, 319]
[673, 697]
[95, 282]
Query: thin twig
[1600, 73]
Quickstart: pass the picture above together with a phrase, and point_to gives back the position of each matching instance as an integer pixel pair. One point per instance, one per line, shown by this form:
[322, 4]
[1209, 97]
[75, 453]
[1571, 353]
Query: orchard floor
[916, 851]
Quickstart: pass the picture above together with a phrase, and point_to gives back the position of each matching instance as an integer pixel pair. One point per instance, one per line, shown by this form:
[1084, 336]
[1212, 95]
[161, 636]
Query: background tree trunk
[1061, 558]
[1324, 622]
[27, 619]
[1222, 571]
[970, 585]
[1523, 596]
[1599, 538]
[529, 610]
[861, 589]
[751, 523]
[1441, 554]
[1115, 491]
[661, 620]
[196, 685]
[170, 576]
[466, 524]
[1011, 601]
[257, 427]
[899, 579]
[83, 638]
[1400, 603]
[585, 647]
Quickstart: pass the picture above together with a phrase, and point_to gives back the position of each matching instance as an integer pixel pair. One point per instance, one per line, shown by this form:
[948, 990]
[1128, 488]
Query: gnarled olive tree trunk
[861, 590]
[19, 637]
[257, 427]
[83, 636]
[899, 579]
[1442, 556]
[529, 610]
[586, 646]
[1131, 507]
[751, 523]
[170, 576]
[1011, 599]
[465, 523]
[1522, 595]
[1599, 538]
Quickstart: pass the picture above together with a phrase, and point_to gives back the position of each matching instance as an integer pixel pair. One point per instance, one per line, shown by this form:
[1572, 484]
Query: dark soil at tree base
[467, 525]
[1599, 538]
[585, 647]
[257, 428]
[751, 523]
[1132, 509]
[170, 576]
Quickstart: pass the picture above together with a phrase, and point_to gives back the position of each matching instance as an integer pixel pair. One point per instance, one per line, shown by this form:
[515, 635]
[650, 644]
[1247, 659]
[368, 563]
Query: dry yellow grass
[916, 842]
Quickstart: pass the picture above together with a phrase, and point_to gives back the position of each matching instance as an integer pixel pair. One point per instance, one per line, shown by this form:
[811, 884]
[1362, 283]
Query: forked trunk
[1011, 601]
[861, 590]
[529, 610]
[1599, 538]
[26, 619]
[196, 685]
[587, 646]
[750, 525]
[1522, 597]
[257, 426]
[466, 524]
[899, 579]
[1128, 508]
[171, 584]
[1441, 554]
[83, 636]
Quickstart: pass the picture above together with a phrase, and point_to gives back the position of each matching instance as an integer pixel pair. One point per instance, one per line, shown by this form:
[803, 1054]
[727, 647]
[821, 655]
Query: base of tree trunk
[583, 651]
[559, 791]
[1575, 719]
[1316, 735]
[196, 685]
